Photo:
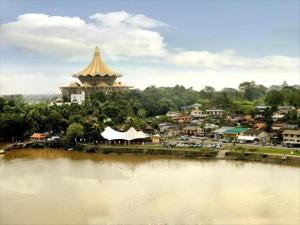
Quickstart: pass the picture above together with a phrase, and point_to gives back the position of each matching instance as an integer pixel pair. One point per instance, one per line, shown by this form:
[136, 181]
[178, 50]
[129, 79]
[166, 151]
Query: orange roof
[259, 126]
[38, 135]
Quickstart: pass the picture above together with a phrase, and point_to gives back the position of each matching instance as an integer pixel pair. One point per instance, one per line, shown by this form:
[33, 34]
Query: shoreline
[227, 154]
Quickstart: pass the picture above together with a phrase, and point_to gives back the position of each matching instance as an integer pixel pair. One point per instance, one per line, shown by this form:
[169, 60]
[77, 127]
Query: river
[60, 187]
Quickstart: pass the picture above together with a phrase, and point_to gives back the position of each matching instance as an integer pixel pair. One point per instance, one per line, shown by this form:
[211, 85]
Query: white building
[291, 137]
[78, 98]
[197, 113]
[214, 112]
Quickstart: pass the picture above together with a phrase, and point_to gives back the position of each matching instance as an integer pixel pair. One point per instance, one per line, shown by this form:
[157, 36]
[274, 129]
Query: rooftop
[97, 67]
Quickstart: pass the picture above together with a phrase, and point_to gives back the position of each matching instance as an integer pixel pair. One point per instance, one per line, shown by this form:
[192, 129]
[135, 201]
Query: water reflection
[58, 187]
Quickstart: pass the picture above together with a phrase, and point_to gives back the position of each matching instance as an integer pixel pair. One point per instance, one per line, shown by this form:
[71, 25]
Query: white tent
[111, 134]
[247, 138]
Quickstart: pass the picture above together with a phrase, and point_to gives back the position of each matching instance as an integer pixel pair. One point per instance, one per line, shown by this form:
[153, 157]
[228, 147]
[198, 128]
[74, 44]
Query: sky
[162, 43]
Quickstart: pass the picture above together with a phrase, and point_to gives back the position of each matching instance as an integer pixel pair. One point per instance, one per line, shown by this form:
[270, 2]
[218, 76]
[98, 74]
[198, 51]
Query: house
[195, 106]
[38, 137]
[214, 112]
[209, 127]
[148, 129]
[218, 133]
[277, 127]
[78, 98]
[155, 139]
[278, 117]
[183, 119]
[192, 130]
[259, 134]
[173, 114]
[197, 113]
[168, 130]
[234, 132]
[247, 139]
[291, 137]
[259, 110]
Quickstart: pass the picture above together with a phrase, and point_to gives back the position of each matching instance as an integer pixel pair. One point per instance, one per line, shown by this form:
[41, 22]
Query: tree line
[18, 120]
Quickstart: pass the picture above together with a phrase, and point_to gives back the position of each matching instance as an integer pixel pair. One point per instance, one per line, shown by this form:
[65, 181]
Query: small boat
[2, 151]
[70, 149]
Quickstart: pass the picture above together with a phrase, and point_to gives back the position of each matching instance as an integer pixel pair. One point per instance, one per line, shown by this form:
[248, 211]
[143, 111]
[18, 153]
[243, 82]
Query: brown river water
[60, 187]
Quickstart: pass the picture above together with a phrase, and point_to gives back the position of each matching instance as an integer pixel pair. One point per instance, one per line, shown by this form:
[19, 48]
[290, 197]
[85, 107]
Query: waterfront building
[96, 77]
[291, 137]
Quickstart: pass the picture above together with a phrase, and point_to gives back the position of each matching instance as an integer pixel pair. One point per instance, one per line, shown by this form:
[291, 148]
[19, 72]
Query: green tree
[274, 98]
[75, 130]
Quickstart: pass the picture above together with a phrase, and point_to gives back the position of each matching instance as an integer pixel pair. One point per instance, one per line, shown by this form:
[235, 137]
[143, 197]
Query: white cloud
[124, 36]
[228, 59]
[114, 19]
[119, 34]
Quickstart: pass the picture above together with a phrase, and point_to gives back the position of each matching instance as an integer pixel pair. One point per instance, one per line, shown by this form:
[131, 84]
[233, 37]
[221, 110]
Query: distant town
[101, 110]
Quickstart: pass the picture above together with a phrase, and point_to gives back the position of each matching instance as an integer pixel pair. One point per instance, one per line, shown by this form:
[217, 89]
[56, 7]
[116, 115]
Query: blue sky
[194, 43]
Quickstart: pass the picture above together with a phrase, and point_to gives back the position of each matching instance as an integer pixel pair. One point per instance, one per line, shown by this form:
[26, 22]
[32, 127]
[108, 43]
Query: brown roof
[96, 67]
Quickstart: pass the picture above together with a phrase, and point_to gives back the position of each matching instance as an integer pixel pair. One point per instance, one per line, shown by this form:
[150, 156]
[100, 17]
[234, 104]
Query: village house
[173, 114]
[261, 135]
[195, 106]
[192, 130]
[259, 111]
[197, 113]
[168, 130]
[183, 118]
[291, 137]
[214, 112]
[234, 132]
[38, 137]
[219, 133]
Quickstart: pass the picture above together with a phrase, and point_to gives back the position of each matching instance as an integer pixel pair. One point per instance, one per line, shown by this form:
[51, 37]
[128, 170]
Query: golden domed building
[96, 77]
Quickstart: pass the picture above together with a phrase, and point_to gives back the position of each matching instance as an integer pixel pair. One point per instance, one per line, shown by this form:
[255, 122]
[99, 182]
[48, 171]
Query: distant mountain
[39, 98]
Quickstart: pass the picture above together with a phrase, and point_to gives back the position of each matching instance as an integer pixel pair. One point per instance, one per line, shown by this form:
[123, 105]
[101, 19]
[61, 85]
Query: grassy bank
[265, 150]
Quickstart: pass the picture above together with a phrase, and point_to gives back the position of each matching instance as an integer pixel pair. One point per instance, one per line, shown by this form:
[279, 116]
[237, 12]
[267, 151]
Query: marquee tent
[131, 134]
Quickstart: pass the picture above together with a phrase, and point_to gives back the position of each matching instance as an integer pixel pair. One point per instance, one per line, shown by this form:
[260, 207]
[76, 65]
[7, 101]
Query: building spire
[97, 67]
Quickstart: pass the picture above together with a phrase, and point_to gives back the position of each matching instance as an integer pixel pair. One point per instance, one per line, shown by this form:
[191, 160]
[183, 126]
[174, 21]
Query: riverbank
[264, 155]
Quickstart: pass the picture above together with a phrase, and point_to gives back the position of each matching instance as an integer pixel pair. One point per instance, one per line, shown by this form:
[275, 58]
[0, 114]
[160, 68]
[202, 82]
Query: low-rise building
[259, 134]
[197, 113]
[218, 133]
[38, 137]
[214, 112]
[234, 132]
[183, 119]
[168, 130]
[192, 130]
[155, 139]
[173, 114]
[291, 137]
